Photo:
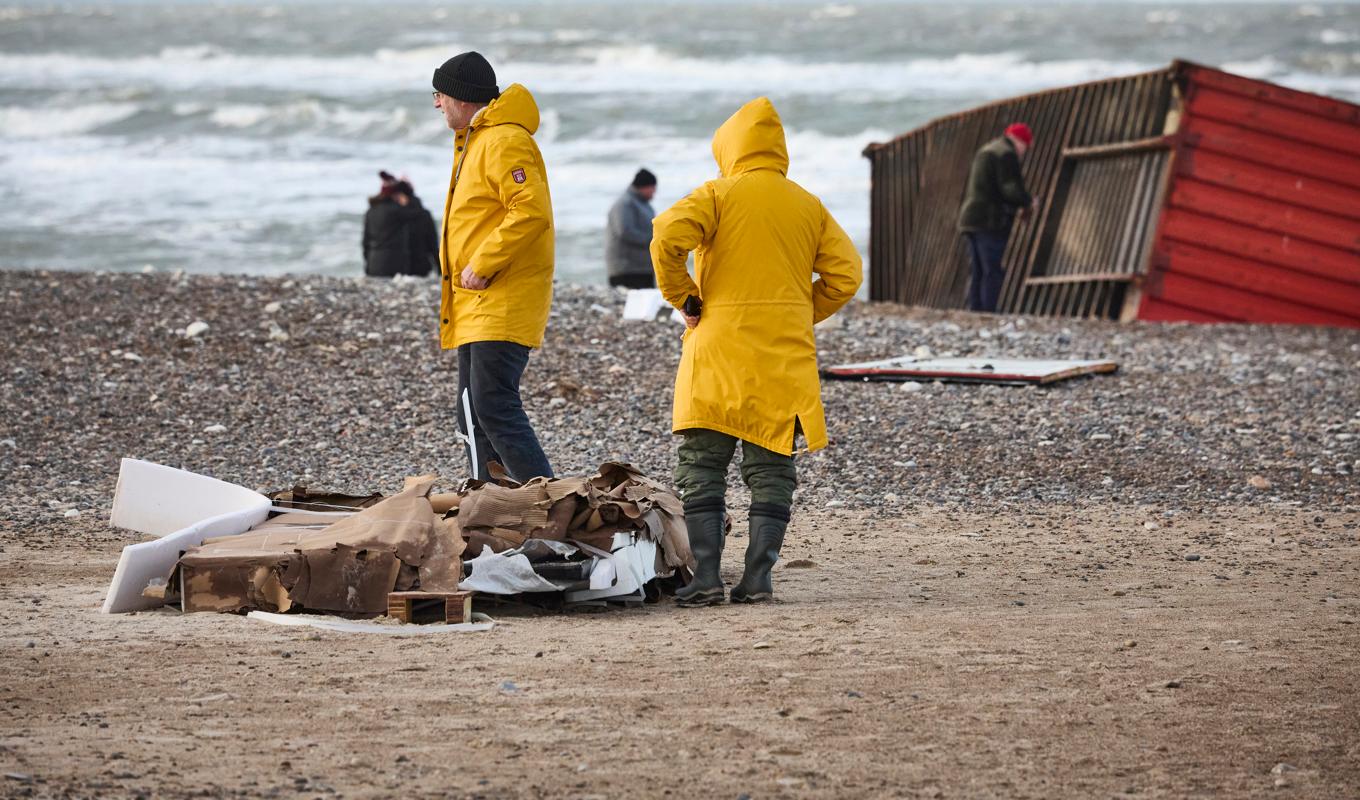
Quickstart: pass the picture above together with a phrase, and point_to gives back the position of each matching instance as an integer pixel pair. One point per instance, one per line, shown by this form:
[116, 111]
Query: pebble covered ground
[339, 383]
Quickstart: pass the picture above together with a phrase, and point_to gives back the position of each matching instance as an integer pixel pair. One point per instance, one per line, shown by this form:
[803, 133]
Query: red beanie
[1021, 131]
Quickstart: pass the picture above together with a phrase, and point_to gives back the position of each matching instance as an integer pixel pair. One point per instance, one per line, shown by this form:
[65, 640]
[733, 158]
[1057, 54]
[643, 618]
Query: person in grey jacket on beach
[629, 237]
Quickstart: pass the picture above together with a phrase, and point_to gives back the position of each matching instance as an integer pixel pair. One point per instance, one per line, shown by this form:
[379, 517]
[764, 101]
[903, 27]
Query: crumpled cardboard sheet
[590, 510]
[303, 499]
[347, 566]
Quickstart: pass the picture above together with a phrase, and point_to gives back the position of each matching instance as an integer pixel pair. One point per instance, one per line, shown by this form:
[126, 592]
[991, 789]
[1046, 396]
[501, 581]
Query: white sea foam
[20, 122]
[1334, 36]
[637, 69]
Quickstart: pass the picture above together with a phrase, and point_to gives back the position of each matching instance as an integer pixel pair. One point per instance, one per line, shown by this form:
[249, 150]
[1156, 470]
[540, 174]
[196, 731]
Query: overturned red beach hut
[1185, 194]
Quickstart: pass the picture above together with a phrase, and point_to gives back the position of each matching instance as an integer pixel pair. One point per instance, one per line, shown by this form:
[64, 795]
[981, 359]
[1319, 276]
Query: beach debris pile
[586, 539]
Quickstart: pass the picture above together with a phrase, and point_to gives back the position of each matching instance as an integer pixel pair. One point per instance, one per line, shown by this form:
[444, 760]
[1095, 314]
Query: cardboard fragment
[346, 565]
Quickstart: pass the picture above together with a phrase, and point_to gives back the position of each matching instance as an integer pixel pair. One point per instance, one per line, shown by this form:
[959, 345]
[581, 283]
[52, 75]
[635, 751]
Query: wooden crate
[428, 607]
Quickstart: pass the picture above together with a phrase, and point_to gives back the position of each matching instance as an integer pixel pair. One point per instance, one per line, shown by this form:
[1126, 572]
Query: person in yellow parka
[496, 260]
[748, 371]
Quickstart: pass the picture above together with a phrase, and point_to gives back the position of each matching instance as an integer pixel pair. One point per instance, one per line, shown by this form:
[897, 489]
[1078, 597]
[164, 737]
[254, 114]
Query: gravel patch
[340, 383]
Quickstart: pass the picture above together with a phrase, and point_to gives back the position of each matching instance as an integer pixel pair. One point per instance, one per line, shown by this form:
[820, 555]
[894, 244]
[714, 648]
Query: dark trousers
[490, 372]
[639, 280]
[985, 249]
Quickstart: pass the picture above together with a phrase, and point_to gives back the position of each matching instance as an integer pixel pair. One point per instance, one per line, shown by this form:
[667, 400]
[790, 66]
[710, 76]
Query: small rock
[219, 428]
[557, 402]
[1281, 768]
[1152, 526]
[273, 308]
[1100, 437]
[835, 503]
[509, 687]
[1258, 482]
[800, 563]
[1173, 684]
[196, 328]
[71, 513]
[1192, 556]
[131, 356]
[761, 646]
[911, 386]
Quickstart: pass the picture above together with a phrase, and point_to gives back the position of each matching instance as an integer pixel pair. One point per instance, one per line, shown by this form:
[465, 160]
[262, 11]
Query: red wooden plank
[1264, 214]
[1231, 302]
[1154, 309]
[1264, 279]
[1280, 250]
[1245, 176]
[1204, 134]
[1339, 135]
[1260, 91]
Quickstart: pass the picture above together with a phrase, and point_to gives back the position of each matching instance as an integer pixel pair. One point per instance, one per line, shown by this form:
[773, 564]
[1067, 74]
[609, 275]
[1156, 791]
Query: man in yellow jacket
[748, 371]
[496, 259]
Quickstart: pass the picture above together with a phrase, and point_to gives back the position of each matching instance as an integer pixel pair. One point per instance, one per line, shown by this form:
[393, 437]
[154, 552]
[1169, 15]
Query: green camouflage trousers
[702, 469]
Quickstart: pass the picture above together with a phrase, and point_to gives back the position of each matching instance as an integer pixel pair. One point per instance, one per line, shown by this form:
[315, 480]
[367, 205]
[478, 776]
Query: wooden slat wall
[916, 254]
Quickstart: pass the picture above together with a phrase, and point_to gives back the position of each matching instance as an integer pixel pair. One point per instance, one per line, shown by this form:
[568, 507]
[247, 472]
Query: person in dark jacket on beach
[627, 251]
[995, 193]
[422, 238]
[399, 236]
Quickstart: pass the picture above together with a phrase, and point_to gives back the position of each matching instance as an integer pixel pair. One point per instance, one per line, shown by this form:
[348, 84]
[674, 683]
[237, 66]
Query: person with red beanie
[994, 194]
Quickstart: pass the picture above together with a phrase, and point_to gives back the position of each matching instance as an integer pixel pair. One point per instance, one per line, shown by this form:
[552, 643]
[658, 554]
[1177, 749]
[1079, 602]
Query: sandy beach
[1140, 585]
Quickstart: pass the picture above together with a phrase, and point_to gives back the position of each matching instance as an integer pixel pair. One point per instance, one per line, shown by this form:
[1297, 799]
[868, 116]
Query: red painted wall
[1262, 215]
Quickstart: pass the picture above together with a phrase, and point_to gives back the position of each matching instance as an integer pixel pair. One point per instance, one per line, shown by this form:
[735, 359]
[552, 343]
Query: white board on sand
[645, 304]
[974, 370]
[182, 509]
[480, 622]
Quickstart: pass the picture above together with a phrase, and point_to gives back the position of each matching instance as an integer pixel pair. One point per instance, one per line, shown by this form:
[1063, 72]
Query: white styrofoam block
[180, 507]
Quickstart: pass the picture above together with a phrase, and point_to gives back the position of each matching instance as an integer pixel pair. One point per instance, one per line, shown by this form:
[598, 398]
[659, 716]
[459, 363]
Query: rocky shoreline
[339, 383]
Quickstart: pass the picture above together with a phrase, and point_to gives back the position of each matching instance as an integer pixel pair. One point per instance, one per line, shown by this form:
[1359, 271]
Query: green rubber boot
[768, 522]
[704, 519]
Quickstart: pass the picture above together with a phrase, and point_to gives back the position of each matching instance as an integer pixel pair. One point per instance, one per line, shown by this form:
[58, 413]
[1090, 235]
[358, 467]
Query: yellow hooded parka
[749, 369]
[498, 220]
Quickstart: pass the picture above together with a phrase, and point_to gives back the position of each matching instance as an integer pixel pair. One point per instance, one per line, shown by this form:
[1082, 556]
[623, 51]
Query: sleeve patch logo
[518, 175]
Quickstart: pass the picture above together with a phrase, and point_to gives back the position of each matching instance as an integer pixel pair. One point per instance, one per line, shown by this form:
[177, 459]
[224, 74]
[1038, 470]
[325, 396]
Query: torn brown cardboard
[347, 566]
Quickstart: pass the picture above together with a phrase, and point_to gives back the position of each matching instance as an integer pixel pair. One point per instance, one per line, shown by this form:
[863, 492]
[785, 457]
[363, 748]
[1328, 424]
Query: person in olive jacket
[995, 193]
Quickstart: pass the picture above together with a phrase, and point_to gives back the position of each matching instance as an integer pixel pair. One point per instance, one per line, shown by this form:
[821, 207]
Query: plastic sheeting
[480, 622]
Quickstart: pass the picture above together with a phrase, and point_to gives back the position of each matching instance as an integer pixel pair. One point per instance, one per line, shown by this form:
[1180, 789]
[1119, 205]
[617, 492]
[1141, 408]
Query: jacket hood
[515, 106]
[751, 139]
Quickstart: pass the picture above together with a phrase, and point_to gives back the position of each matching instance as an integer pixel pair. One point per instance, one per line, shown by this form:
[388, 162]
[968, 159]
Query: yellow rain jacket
[498, 219]
[749, 369]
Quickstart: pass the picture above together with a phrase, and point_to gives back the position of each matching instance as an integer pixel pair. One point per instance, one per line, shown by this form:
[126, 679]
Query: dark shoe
[704, 519]
[768, 522]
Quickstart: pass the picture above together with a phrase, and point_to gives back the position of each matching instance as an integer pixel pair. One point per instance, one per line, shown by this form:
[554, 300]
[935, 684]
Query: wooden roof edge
[1171, 70]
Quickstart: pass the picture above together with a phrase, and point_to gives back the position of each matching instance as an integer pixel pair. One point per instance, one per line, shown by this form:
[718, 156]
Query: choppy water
[245, 136]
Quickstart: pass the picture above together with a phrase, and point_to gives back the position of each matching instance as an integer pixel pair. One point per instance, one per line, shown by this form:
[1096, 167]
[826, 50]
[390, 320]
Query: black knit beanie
[643, 178]
[467, 77]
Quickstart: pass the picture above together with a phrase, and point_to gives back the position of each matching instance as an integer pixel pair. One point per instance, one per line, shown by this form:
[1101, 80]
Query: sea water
[245, 136]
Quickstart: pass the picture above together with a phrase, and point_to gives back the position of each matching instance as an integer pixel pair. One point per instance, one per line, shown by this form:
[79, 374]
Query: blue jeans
[490, 372]
[985, 249]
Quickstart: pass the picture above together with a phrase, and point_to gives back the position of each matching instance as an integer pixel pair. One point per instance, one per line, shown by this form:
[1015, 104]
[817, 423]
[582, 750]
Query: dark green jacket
[995, 189]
